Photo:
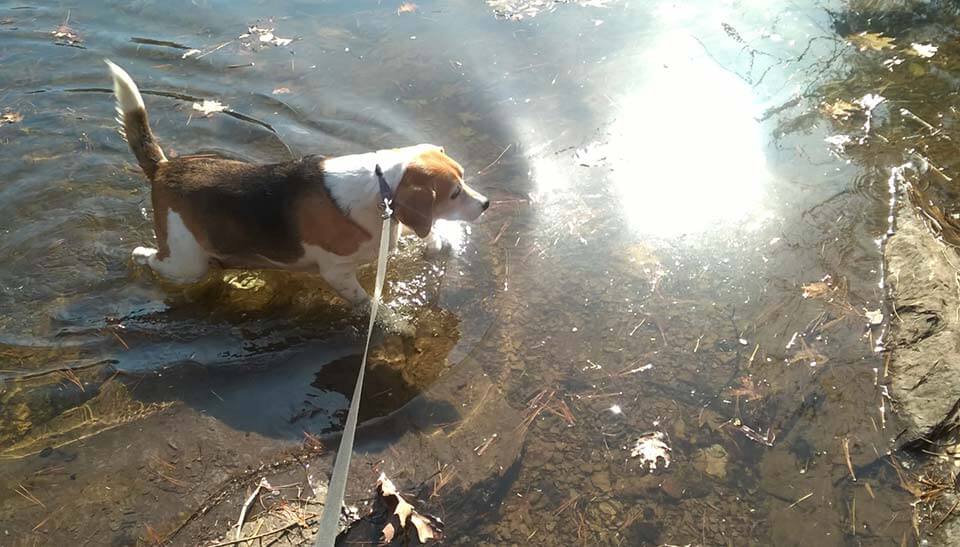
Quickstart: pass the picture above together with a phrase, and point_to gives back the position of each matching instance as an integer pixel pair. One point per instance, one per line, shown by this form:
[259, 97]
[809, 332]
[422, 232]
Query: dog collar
[386, 196]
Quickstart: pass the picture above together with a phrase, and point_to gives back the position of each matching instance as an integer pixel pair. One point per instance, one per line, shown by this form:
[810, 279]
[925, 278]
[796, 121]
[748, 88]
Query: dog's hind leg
[181, 258]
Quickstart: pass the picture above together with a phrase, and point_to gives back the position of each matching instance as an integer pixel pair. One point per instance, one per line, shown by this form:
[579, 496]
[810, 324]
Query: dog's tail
[134, 125]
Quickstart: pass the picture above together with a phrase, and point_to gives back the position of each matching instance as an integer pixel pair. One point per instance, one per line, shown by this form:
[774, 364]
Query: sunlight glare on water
[687, 108]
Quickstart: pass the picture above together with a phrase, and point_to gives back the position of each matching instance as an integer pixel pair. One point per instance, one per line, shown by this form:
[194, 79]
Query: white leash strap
[338, 481]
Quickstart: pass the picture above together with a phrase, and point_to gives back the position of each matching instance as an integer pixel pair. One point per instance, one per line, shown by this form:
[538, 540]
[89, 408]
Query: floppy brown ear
[414, 205]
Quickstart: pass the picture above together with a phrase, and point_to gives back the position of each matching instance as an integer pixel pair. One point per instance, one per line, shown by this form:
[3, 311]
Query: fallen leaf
[66, 35]
[923, 50]
[870, 101]
[10, 117]
[871, 40]
[650, 448]
[407, 7]
[209, 106]
[266, 36]
[281, 91]
[427, 528]
[874, 317]
[748, 389]
[839, 109]
[819, 288]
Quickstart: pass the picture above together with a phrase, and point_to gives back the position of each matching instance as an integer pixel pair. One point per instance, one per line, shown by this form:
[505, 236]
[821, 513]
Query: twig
[563, 506]
[500, 233]
[246, 506]
[117, 336]
[794, 504]
[494, 162]
[218, 48]
[846, 457]
[258, 536]
[753, 355]
[22, 490]
[950, 512]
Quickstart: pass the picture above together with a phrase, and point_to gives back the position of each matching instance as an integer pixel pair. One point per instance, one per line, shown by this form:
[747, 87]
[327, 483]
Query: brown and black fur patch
[136, 127]
[238, 211]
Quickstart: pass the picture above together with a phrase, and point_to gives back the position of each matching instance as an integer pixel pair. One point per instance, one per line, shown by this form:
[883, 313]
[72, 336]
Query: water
[662, 194]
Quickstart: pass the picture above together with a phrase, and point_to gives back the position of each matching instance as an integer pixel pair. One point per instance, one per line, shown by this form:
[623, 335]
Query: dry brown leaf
[407, 7]
[10, 117]
[839, 109]
[818, 288]
[871, 40]
[748, 389]
[426, 529]
[66, 35]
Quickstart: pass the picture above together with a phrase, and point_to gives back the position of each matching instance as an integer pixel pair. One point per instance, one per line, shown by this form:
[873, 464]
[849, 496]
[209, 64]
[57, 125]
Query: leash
[329, 522]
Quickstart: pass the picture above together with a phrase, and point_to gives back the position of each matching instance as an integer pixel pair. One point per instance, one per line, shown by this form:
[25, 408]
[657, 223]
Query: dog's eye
[456, 192]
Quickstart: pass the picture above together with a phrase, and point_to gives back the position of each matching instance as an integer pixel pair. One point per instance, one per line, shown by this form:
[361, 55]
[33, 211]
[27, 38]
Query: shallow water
[659, 207]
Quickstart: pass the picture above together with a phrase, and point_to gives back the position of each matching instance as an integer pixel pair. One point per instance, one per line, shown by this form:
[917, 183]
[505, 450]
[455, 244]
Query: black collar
[386, 196]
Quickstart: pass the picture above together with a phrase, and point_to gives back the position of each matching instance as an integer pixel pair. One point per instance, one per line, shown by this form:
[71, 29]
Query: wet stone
[712, 461]
[601, 479]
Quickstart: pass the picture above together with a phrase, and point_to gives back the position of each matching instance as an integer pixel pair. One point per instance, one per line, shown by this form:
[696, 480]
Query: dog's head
[432, 188]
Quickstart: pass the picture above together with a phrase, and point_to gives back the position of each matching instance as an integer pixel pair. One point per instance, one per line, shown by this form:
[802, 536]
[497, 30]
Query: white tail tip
[128, 96]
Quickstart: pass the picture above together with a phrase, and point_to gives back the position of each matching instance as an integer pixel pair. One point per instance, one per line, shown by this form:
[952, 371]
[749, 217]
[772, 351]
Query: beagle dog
[310, 214]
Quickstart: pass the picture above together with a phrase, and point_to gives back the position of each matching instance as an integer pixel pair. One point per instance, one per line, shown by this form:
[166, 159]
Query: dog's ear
[414, 207]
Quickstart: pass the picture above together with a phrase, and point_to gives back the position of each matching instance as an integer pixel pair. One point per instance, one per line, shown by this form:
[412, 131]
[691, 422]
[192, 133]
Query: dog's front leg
[344, 282]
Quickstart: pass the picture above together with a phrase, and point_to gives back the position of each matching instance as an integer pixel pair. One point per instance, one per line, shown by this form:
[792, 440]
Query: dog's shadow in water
[307, 388]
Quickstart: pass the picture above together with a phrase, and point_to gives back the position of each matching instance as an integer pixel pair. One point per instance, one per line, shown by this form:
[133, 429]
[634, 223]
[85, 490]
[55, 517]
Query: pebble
[601, 479]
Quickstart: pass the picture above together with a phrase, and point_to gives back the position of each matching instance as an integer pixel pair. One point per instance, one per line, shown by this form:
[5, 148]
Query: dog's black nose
[485, 204]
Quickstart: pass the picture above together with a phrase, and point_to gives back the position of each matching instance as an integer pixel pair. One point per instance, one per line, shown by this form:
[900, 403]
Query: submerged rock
[712, 461]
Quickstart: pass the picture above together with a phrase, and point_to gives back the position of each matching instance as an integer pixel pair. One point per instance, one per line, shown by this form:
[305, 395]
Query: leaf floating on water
[871, 40]
[407, 7]
[266, 36]
[427, 528]
[870, 101]
[10, 117]
[839, 109]
[651, 448]
[67, 36]
[923, 50]
[209, 106]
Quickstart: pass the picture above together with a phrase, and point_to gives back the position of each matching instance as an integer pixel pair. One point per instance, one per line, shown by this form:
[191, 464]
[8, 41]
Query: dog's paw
[142, 255]
[435, 246]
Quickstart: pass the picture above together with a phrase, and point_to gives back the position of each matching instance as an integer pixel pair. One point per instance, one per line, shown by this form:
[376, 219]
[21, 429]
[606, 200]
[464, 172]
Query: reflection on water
[636, 291]
[690, 105]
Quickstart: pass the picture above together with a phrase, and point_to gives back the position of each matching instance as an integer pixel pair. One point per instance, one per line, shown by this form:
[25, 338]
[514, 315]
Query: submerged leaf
[651, 448]
[10, 117]
[923, 50]
[825, 285]
[871, 40]
[427, 528]
[839, 109]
